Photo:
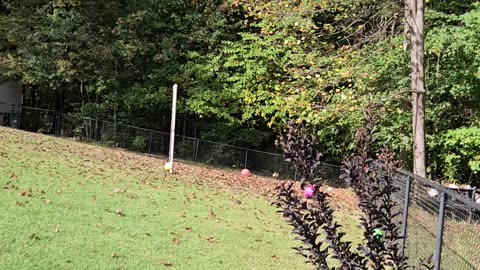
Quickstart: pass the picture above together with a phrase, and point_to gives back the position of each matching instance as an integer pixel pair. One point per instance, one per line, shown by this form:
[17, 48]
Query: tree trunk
[416, 17]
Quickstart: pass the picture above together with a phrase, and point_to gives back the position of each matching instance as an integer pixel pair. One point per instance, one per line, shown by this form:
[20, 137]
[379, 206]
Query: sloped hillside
[70, 205]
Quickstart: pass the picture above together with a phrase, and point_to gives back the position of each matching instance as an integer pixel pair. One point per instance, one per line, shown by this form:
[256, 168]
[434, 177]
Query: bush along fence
[154, 142]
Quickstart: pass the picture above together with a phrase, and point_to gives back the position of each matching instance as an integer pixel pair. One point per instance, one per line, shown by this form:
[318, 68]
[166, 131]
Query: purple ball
[308, 191]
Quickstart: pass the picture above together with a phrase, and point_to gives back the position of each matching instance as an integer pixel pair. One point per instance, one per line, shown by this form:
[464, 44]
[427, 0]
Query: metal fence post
[441, 214]
[193, 148]
[20, 114]
[196, 151]
[58, 123]
[246, 157]
[96, 130]
[92, 130]
[10, 117]
[150, 144]
[405, 214]
[102, 130]
[62, 124]
[126, 139]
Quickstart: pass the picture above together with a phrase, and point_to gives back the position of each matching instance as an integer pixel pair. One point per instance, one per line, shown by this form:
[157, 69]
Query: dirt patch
[207, 176]
[340, 198]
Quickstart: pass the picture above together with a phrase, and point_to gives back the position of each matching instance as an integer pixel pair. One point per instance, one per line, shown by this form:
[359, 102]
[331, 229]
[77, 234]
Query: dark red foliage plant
[306, 208]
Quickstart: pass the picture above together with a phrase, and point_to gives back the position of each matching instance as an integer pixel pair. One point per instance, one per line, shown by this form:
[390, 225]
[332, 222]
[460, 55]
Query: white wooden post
[172, 127]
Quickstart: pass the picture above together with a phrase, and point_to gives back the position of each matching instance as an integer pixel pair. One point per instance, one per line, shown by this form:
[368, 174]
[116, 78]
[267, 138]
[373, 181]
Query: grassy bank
[68, 205]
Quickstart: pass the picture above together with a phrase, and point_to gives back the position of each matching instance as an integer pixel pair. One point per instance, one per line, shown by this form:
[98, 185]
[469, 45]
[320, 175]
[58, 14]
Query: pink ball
[308, 191]
[245, 173]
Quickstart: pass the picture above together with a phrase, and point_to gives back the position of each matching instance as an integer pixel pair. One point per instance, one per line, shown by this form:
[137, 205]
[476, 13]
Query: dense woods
[245, 67]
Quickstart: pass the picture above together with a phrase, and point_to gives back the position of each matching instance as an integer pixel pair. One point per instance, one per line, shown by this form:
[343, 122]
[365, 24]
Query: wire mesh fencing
[461, 236]
[423, 222]
[157, 143]
[39, 120]
[439, 222]
[11, 119]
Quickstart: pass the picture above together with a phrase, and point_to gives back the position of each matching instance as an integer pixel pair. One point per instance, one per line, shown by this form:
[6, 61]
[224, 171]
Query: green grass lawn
[68, 205]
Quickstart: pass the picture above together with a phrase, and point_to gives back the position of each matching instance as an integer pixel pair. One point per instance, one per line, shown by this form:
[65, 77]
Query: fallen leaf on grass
[132, 196]
[175, 241]
[211, 214]
[211, 240]
[7, 185]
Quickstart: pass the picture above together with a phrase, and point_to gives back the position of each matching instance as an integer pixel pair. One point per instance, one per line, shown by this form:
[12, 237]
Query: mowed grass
[69, 205]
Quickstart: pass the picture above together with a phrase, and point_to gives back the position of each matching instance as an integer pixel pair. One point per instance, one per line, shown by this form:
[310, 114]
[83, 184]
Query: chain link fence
[157, 143]
[439, 222]
[9, 119]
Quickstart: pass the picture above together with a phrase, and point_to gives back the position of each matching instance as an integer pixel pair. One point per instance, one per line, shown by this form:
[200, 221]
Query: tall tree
[416, 21]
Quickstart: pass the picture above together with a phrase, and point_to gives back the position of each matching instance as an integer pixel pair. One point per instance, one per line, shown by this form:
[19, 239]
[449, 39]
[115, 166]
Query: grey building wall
[10, 94]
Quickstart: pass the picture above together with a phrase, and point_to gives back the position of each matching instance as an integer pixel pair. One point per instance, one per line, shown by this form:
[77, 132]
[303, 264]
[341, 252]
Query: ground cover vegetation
[245, 67]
